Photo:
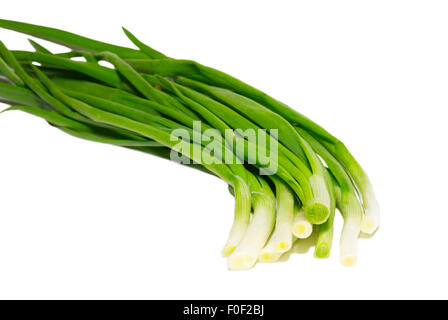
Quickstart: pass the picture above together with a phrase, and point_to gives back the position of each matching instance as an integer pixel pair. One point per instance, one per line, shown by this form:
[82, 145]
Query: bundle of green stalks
[142, 96]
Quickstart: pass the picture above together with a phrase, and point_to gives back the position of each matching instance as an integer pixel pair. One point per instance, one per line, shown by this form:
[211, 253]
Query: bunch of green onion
[144, 95]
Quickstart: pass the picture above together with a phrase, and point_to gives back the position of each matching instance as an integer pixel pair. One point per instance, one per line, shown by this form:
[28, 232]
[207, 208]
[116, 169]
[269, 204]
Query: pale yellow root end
[283, 246]
[269, 256]
[227, 251]
[369, 225]
[241, 261]
[302, 230]
[348, 261]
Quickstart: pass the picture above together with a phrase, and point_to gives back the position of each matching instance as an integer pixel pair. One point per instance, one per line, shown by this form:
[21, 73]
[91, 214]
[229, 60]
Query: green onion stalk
[347, 203]
[281, 238]
[263, 202]
[325, 235]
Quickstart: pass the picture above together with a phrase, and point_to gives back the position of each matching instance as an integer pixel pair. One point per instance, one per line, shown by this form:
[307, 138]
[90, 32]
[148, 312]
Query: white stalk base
[371, 220]
[301, 227]
[246, 253]
[236, 234]
[349, 242]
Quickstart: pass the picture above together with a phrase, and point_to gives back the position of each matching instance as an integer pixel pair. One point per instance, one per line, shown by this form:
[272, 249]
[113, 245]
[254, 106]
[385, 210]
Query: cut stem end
[317, 213]
[241, 261]
[348, 261]
[322, 251]
[269, 256]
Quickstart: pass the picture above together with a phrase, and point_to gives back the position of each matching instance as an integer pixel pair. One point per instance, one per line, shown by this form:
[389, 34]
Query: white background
[85, 220]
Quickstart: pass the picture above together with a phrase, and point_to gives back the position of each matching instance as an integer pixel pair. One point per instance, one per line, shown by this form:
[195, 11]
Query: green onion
[281, 238]
[325, 237]
[263, 202]
[144, 97]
